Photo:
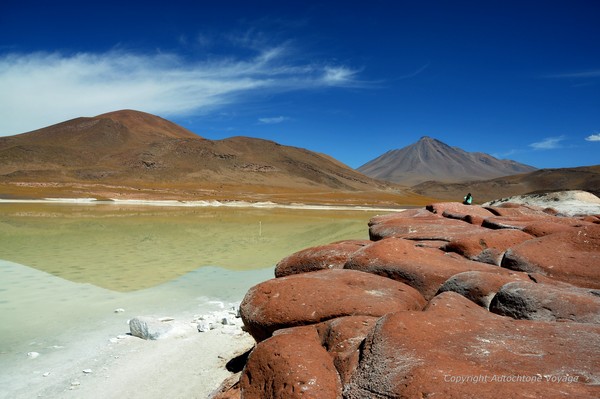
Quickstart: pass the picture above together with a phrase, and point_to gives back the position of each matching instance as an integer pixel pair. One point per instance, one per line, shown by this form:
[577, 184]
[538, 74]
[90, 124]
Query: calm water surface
[64, 268]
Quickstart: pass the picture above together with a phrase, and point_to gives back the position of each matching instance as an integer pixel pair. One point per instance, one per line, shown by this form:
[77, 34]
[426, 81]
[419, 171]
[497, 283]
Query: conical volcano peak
[431, 159]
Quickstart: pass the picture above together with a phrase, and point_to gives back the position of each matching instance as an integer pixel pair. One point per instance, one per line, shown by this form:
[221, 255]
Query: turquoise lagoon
[66, 268]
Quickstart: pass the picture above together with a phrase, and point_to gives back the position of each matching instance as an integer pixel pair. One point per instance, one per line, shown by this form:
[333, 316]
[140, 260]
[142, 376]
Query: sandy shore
[56, 346]
[186, 364]
[200, 204]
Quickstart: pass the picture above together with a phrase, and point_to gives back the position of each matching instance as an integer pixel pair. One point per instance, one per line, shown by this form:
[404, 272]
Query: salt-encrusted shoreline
[199, 204]
[187, 362]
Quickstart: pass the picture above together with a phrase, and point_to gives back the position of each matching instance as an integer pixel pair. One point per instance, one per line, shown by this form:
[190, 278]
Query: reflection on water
[64, 269]
[127, 248]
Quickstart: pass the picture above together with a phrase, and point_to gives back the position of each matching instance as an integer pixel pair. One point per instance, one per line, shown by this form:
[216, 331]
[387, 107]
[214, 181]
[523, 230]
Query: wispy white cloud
[549, 143]
[335, 76]
[593, 137]
[273, 120]
[415, 73]
[40, 89]
[593, 73]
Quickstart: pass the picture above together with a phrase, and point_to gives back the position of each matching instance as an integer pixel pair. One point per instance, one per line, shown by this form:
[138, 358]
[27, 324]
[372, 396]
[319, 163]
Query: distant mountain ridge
[430, 159]
[140, 151]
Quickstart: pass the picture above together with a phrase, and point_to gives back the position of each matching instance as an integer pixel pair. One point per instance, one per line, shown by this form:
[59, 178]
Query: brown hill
[430, 159]
[585, 178]
[134, 154]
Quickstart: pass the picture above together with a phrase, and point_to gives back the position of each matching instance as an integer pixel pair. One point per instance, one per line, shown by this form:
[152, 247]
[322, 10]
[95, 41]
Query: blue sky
[352, 79]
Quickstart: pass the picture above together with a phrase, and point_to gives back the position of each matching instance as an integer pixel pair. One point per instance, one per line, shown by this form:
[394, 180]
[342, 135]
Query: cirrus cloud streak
[45, 88]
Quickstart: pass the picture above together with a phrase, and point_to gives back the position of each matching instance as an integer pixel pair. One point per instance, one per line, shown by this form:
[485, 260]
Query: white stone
[46, 374]
[204, 326]
[149, 328]
[119, 310]
[32, 355]
[87, 371]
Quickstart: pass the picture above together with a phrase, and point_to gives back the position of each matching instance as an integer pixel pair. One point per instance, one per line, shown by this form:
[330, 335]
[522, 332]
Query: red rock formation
[509, 209]
[331, 256]
[488, 246]
[572, 256]
[363, 333]
[310, 298]
[527, 300]
[432, 227]
[292, 365]
[342, 337]
[481, 287]
[424, 269]
[456, 349]
[456, 210]
[557, 225]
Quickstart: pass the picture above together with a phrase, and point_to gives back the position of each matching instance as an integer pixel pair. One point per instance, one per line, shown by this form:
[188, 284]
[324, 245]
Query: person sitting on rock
[468, 199]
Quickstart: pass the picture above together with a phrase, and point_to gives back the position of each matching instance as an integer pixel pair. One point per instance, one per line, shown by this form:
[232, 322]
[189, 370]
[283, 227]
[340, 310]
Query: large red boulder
[481, 287]
[310, 298]
[473, 214]
[424, 269]
[556, 225]
[291, 365]
[527, 300]
[331, 256]
[432, 227]
[456, 349]
[510, 209]
[572, 256]
[514, 222]
[487, 246]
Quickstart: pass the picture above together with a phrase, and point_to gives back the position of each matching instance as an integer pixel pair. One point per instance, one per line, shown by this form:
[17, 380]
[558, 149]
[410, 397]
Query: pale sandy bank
[185, 364]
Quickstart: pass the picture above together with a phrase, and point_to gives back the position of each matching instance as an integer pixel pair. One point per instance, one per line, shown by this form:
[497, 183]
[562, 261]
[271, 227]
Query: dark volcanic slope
[132, 147]
[430, 159]
[585, 178]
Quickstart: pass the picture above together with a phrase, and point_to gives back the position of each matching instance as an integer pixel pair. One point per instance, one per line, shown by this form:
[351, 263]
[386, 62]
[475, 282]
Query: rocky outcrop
[454, 210]
[433, 227]
[526, 300]
[343, 337]
[448, 301]
[481, 287]
[456, 349]
[332, 256]
[293, 365]
[572, 256]
[424, 269]
[557, 225]
[311, 298]
[489, 246]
